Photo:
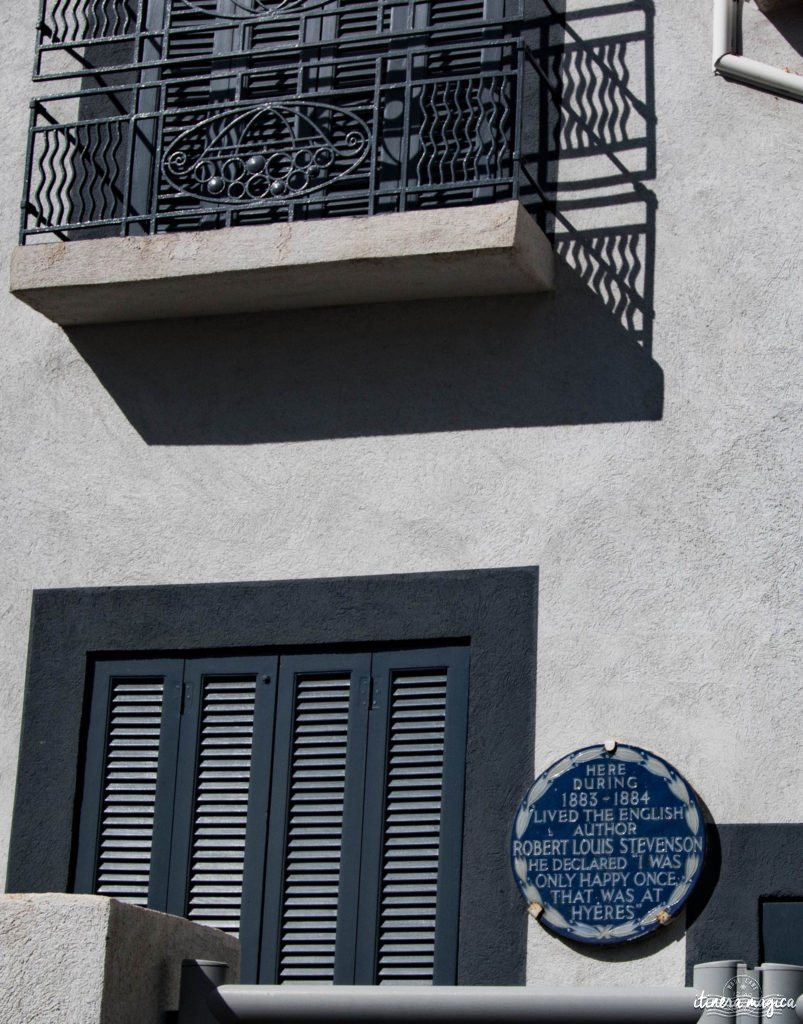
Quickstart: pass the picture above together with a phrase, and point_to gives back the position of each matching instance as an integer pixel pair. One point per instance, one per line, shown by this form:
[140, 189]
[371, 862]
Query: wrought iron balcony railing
[192, 114]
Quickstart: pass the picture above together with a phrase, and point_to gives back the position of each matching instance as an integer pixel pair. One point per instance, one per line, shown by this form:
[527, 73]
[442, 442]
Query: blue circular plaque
[607, 844]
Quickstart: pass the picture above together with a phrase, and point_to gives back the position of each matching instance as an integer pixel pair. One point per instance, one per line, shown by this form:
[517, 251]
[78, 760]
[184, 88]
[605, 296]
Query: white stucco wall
[668, 549]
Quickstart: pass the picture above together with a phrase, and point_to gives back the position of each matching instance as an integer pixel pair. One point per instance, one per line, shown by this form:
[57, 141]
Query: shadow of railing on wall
[594, 148]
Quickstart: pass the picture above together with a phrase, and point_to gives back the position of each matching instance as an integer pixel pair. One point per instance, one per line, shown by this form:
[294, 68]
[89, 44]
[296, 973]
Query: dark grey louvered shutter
[223, 782]
[314, 830]
[412, 839]
[315, 822]
[409, 883]
[217, 854]
[127, 801]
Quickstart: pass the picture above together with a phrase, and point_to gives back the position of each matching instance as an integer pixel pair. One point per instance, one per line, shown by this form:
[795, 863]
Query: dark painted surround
[745, 865]
[495, 610]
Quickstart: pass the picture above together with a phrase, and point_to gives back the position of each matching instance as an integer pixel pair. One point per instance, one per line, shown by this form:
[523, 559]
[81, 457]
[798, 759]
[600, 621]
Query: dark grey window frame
[493, 610]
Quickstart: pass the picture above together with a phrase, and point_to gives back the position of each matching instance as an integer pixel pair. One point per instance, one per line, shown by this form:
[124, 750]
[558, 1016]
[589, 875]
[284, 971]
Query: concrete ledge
[90, 960]
[467, 251]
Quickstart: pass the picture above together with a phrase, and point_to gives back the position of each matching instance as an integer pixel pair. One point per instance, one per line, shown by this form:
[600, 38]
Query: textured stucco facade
[653, 474]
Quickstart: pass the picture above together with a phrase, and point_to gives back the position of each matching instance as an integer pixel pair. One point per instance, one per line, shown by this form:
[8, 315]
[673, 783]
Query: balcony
[191, 115]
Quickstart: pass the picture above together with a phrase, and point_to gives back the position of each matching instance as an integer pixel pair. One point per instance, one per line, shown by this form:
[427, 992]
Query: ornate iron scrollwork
[255, 8]
[272, 153]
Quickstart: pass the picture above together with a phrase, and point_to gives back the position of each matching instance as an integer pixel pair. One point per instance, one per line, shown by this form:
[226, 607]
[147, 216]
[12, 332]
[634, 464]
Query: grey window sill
[468, 251]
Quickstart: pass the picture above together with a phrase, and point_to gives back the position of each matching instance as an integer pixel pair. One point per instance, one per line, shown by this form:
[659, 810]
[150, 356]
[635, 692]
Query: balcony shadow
[381, 369]
[582, 354]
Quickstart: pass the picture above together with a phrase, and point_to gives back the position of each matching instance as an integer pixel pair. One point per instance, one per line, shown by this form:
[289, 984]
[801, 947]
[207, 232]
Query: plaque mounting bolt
[536, 909]
[664, 917]
[610, 746]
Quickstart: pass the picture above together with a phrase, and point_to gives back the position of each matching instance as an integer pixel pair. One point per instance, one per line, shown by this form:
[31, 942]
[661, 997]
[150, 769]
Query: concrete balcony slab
[424, 254]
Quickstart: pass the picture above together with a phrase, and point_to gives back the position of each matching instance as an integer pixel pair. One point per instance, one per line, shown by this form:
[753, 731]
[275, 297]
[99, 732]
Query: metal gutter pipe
[206, 1000]
[399, 1004]
[731, 64]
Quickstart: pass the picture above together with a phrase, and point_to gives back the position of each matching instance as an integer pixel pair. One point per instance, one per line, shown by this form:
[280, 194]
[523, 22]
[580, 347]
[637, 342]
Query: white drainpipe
[733, 65]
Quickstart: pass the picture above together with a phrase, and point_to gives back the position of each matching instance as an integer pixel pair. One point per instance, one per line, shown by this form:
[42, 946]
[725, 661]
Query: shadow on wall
[592, 147]
[371, 370]
[787, 17]
[579, 355]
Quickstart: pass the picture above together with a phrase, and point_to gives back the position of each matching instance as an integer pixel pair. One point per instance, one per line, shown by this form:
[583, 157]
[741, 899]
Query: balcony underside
[424, 254]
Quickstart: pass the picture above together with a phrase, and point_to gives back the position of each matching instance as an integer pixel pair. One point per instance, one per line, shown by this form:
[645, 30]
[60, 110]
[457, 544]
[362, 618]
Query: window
[311, 803]
[171, 115]
[489, 615]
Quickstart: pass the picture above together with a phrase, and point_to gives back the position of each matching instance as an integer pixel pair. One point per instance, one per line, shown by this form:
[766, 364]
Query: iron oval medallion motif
[255, 8]
[271, 153]
[607, 844]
